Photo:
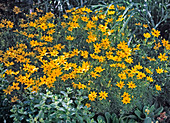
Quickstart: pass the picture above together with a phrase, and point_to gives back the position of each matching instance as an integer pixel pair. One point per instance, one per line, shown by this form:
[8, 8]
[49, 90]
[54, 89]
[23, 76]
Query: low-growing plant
[142, 114]
[4, 102]
[148, 113]
[113, 118]
[48, 108]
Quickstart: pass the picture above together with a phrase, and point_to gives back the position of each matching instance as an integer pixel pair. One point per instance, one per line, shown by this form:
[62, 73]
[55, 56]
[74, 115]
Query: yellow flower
[8, 90]
[163, 57]
[65, 16]
[14, 99]
[70, 38]
[51, 31]
[15, 86]
[94, 18]
[129, 60]
[155, 33]
[126, 100]
[146, 35]
[63, 24]
[131, 85]
[9, 24]
[64, 77]
[49, 15]
[81, 86]
[103, 95]
[165, 71]
[137, 47]
[94, 74]
[158, 87]
[43, 26]
[120, 84]
[51, 25]
[111, 12]
[125, 95]
[120, 18]
[148, 71]
[1, 25]
[112, 7]
[84, 54]
[85, 19]
[145, 25]
[138, 66]
[98, 69]
[88, 105]
[102, 27]
[90, 25]
[165, 42]
[121, 7]
[67, 66]
[92, 96]
[48, 38]
[34, 89]
[159, 71]
[16, 10]
[122, 75]
[156, 47]
[74, 85]
[149, 78]
[137, 24]
[141, 75]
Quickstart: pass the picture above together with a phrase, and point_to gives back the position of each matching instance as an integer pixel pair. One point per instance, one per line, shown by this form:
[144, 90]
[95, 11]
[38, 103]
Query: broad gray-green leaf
[147, 120]
[158, 111]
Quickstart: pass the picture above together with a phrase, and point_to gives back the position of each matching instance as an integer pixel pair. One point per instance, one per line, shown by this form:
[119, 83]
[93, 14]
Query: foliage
[142, 114]
[4, 103]
[48, 107]
[95, 52]
[148, 113]
[96, 56]
[154, 13]
[113, 118]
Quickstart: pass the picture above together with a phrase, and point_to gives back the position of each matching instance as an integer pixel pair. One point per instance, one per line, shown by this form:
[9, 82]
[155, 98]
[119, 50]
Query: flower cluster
[82, 51]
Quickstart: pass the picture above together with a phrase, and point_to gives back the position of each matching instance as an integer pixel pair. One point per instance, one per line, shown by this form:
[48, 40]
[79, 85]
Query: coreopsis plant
[89, 51]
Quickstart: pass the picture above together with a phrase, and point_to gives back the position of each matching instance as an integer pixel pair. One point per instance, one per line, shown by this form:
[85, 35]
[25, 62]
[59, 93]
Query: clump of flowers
[85, 52]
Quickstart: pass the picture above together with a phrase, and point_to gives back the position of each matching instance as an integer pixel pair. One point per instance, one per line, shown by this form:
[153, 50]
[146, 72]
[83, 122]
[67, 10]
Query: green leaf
[131, 117]
[80, 119]
[68, 121]
[101, 119]
[131, 121]
[91, 115]
[139, 113]
[36, 106]
[114, 118]
[21, 117]
[64, 93]
[121, 120]
[40, 114]
[108, 117]
[13, 115]
[64, 105]
[147, 120]
[158, 111]
[61, 109]
[53, 115]
[73, 121]
[152, 108]
[21, 110]
[64, 116]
